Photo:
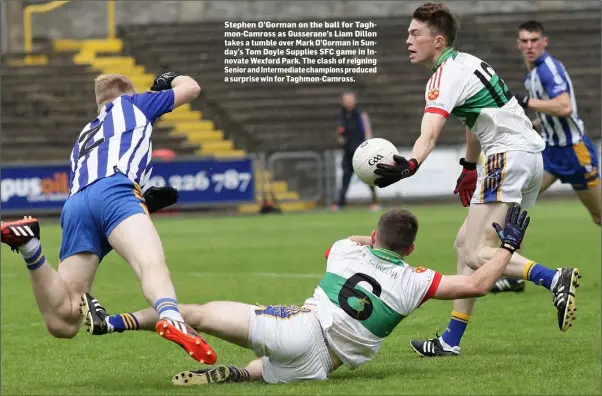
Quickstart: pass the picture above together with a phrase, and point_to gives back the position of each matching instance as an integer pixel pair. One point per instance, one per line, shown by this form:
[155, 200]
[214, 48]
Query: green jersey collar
[387, 255]
[447, 53]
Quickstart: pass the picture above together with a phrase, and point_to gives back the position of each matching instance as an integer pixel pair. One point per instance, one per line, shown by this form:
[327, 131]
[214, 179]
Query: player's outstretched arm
[481, 281]
[430, 129]
[432, 124]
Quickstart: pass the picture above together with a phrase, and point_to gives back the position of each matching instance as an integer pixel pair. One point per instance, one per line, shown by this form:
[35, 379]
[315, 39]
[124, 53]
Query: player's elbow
[186, 93]
[481, 291]
[474, 286]
[194, 90]
[477, 289]
[566, 110]
[468, 289]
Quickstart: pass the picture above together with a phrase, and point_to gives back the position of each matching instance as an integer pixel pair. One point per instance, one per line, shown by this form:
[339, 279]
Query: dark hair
[532, 27]
[396, 230]
[438, 18]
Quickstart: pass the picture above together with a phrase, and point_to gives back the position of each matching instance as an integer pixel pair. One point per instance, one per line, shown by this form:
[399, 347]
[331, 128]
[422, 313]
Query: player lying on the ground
[468, 88]
[105, 210]
[368, 289]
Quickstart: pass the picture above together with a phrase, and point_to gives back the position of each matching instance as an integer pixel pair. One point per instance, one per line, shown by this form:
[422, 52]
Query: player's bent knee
[596, 219]
[60, 329]
[474, 258]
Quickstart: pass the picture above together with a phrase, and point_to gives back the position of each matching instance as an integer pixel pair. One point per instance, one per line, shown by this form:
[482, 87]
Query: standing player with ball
[468, 88]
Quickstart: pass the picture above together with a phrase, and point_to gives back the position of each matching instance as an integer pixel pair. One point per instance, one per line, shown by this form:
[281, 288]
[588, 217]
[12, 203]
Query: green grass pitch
[512, 344]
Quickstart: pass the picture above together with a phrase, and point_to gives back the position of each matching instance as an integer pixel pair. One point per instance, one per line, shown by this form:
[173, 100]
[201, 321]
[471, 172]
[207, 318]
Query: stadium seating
[275, 117]
[45, 106]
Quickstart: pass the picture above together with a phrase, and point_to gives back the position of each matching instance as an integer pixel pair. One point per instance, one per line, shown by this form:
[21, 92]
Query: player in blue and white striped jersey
[106, 210]
[570, 154]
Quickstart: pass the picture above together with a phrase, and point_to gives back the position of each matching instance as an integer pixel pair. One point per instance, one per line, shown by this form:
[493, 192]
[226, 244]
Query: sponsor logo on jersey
[433, 94]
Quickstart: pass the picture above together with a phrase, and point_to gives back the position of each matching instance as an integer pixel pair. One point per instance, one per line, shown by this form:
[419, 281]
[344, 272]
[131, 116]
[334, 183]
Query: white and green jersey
[469, 89]
[364, 294]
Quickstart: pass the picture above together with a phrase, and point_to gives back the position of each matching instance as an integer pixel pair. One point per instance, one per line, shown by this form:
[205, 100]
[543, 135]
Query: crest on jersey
[433, 94]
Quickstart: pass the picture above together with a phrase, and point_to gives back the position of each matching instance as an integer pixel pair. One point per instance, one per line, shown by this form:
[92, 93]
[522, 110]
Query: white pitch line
[260, 274]
[13, 326]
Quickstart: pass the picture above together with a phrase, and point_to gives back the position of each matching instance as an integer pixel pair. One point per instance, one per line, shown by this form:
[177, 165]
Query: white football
[371, 153]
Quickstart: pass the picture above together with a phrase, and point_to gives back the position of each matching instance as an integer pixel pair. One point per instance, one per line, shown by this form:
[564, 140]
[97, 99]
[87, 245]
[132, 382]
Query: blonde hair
[107, 87]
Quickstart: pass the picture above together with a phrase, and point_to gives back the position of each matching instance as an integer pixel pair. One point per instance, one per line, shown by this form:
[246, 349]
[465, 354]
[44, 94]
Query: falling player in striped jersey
[106, 210]
[367, 290]
[468, 88]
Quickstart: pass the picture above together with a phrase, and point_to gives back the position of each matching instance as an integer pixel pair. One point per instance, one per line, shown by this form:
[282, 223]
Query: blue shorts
[576, 164]
[89, 216]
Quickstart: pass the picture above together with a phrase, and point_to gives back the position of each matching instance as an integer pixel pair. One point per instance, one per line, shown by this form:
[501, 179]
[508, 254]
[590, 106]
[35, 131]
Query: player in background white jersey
[469, 89]
[367, 290]
[106, 210]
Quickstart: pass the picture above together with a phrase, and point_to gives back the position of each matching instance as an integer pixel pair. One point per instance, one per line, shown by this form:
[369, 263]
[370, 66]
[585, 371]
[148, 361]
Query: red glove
[467, 182]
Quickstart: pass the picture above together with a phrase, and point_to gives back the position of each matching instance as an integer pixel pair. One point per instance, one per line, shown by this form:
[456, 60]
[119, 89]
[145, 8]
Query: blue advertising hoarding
[200, 182]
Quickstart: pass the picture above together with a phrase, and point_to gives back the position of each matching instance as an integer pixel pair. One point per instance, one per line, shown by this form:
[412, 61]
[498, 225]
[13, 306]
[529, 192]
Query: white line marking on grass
[13, 326]
[260, 274]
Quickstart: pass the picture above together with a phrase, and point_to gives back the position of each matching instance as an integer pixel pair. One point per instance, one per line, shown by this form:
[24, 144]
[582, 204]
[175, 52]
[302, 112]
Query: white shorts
[511, 177]
[291, 342]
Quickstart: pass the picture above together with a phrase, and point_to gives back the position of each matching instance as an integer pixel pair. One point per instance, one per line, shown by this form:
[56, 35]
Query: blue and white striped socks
[32, 253]
[168, 308]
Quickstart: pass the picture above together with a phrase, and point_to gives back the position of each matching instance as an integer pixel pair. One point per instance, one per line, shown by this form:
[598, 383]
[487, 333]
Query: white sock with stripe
[30, 248]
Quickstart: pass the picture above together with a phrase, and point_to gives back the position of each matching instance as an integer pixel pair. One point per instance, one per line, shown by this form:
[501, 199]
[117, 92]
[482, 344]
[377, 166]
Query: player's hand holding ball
[163, 81]
[514, 229]
[379, 157]
[393, 173]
